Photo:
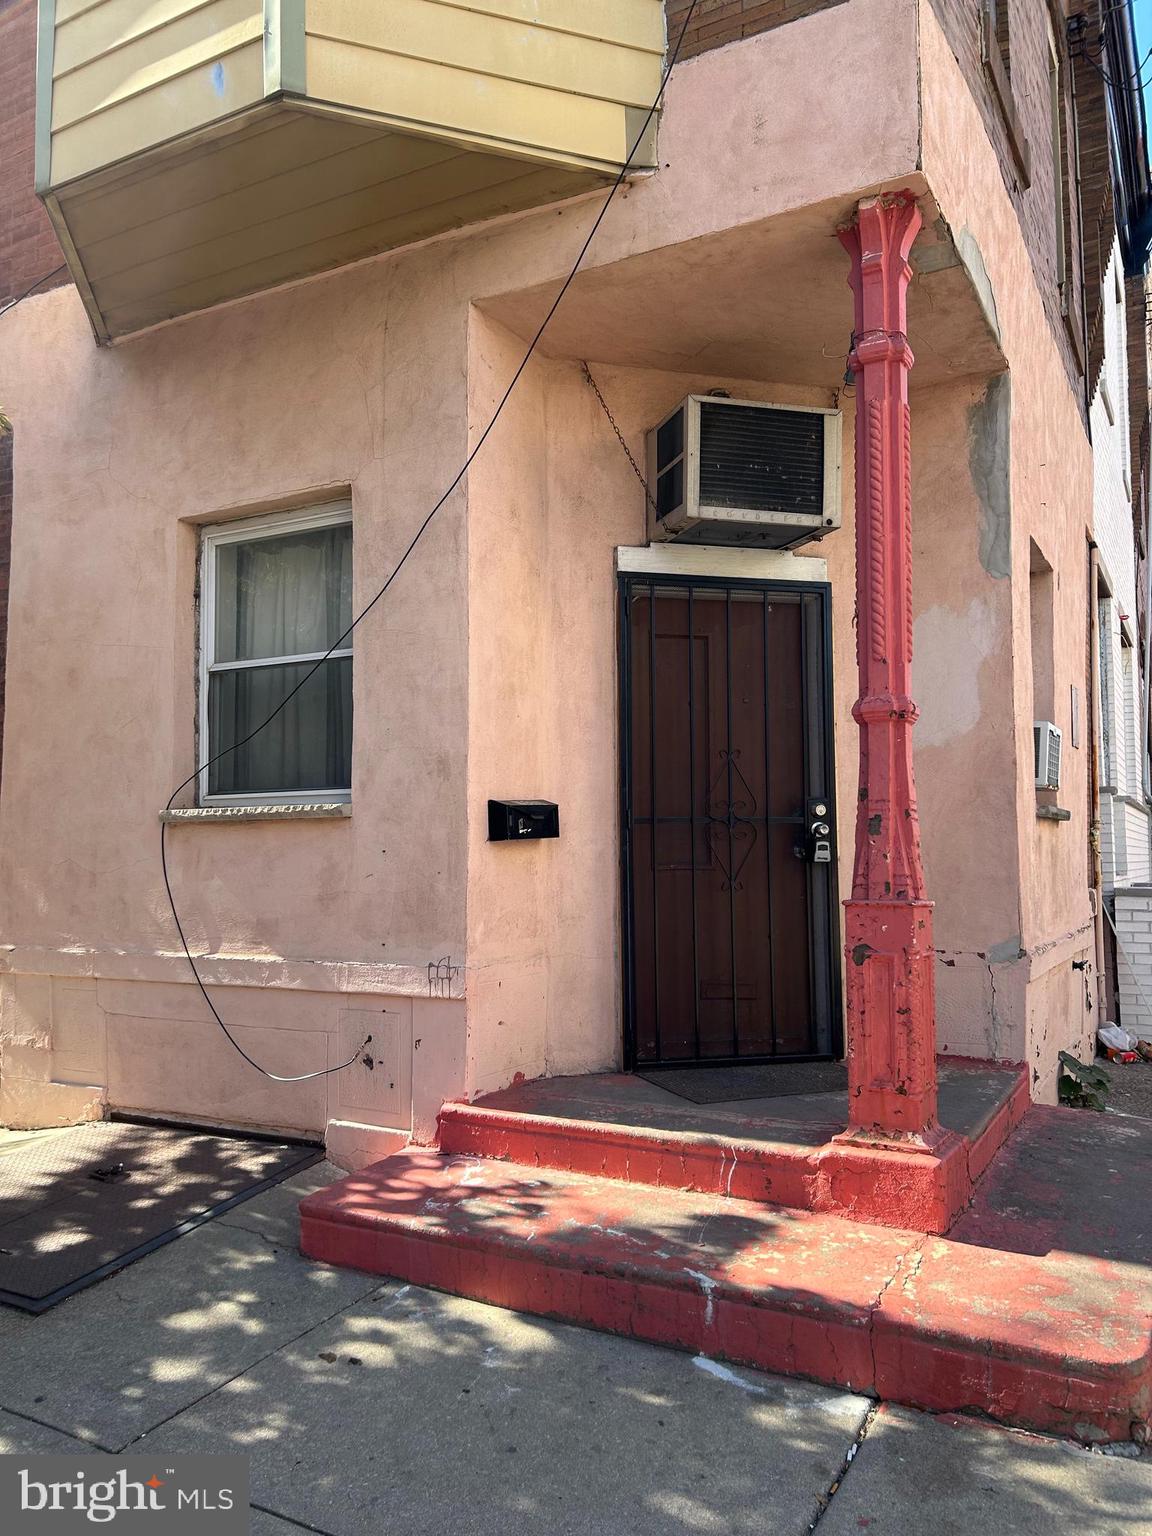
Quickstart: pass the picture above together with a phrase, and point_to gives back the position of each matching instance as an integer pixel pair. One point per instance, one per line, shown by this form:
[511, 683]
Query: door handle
[818, 842]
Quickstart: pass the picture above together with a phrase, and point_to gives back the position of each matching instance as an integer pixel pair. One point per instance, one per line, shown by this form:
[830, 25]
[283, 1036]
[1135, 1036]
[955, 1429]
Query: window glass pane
[307, 746]
[287, 595]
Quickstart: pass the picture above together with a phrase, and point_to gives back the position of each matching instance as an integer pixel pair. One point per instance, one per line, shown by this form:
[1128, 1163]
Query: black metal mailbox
[521, 821]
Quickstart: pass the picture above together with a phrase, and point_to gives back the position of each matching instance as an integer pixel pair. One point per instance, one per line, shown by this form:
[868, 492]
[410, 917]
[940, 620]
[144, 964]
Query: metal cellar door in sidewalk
[730, 930]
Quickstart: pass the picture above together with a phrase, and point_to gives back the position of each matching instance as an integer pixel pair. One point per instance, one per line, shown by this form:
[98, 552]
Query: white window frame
[270, 525]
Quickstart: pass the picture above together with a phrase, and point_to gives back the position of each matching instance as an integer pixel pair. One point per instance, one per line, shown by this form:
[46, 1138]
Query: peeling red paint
[880, 1180]
[891, 1014]
[1030, 1311]
[1053, 1342]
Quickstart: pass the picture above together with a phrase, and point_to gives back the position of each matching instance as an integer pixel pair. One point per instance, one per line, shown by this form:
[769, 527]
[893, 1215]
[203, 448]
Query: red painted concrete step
[733, 1165]
[752, 1157]
[1054, 1342]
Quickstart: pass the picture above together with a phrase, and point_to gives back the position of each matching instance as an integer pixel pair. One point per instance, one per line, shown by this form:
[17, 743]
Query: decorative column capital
[879, 240]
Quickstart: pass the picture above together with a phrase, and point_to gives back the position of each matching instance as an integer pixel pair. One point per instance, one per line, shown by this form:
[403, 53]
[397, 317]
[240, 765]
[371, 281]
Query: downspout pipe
[1094, 781]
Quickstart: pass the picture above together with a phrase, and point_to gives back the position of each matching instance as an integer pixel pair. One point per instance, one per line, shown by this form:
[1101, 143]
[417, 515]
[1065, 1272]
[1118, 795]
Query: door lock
[818, 846]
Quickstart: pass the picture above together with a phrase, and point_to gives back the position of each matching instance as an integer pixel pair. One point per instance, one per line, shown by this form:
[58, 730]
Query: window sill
[1052, 813]
[214, 814]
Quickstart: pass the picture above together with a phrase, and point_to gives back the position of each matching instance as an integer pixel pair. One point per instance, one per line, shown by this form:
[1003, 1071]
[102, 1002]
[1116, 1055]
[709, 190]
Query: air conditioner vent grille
[1048, 744]
[767, 461]
[744, 473]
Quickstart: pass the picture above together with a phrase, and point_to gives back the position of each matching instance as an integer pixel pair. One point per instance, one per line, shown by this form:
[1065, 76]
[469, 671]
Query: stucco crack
[994, 1016]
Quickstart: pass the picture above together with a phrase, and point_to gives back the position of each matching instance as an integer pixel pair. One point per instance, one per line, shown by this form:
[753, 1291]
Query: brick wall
[1134, 958]
[1098, 211]
[717, 22]
[28, 247]
[1033, 195]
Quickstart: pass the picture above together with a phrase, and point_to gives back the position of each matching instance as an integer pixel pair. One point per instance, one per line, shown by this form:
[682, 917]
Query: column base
[917, 1181]
[890, 971]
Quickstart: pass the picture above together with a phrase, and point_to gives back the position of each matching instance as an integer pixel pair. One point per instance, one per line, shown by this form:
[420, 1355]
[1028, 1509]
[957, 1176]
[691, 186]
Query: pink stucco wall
[1051, 503]
[490, 667]
[557, 505]
[126, 451]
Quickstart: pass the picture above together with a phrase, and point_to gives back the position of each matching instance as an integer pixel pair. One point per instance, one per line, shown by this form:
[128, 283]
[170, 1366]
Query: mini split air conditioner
[1048, 743]
[742, 472]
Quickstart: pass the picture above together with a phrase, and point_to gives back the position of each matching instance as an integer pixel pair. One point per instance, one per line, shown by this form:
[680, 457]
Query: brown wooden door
[729, 923]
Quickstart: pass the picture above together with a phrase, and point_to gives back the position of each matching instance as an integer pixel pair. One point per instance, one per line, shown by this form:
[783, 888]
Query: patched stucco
[990, 457]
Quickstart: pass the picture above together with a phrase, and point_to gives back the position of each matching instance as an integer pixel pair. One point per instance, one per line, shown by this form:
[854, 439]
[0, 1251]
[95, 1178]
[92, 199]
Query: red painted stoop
[753, 1160]
[1058, 1342]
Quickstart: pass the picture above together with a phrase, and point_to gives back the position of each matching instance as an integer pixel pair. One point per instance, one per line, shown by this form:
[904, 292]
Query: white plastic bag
[1119, 1039]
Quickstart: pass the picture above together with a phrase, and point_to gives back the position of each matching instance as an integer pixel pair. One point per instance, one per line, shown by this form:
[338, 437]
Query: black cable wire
[1133, 85]
[20, 297]
[1097, 61]
[399, 566]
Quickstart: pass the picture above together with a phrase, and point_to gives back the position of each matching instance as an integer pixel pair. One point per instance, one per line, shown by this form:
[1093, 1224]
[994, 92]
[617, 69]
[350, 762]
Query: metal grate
[77, 1205]
[765, 461]
[726, 733]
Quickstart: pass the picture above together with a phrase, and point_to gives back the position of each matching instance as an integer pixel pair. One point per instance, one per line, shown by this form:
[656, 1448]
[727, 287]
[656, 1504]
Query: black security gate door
[729, 869]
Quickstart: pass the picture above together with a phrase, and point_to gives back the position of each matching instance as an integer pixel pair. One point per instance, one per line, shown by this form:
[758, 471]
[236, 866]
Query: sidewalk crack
[276, 1514]
[370, 1289]
[238, 1226]
[72, 1434]
[824, 1500]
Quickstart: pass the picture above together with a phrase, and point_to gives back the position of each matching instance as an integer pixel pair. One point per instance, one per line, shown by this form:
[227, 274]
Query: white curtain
[287, 595]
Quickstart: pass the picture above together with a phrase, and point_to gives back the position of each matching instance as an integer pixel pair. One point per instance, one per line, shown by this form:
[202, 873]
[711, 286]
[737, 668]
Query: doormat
[774, 1080]
[79, 1204]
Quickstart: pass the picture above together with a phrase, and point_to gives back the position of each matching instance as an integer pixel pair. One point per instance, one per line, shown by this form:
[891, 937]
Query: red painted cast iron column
[888, 921]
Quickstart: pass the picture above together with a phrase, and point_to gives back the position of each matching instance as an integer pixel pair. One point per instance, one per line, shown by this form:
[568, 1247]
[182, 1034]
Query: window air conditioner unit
[1048, 742]
[742, 472]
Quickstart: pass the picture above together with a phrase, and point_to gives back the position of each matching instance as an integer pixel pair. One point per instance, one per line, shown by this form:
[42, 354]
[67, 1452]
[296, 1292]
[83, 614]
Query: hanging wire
[636, 470]
[399, 566]
[32, 287]
[1078, 40]
[1137, 80]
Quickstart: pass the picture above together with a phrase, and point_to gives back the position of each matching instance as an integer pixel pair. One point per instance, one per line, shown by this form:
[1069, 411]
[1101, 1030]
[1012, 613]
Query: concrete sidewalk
[372, 1408]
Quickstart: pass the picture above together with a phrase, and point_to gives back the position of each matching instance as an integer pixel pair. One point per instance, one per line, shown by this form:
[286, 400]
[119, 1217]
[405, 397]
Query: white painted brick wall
[1124, 828]
[1107, 842]
[1134, 957]
[1138, 863]
[1130, 673]
[1110, 695]
[1112, 503]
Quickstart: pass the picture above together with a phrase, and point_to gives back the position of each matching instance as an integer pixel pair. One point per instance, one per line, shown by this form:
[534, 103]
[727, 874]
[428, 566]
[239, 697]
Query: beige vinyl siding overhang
[194, 151]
